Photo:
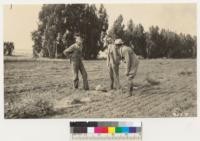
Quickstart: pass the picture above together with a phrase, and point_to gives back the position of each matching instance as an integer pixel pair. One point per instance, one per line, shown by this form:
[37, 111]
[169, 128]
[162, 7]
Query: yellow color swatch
[111, 130]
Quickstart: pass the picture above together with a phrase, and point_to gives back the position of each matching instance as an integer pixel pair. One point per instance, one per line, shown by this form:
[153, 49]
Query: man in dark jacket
[75, 53]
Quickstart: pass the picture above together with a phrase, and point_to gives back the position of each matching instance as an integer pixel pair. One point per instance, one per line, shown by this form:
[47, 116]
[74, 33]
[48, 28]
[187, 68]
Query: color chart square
[90, 130]
[138, 129]
[111, 130]
[125, 129]
[118, 130]
[132, 129]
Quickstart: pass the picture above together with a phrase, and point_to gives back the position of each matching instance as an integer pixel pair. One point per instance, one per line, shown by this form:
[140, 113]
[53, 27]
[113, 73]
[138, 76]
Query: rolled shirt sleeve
[69, 50]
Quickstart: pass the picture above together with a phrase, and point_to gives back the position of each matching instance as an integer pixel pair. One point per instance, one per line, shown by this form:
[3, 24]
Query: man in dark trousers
[75, 53]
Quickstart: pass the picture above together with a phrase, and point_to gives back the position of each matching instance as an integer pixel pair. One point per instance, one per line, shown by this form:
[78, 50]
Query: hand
[126, 73]
[123, 60]
[108, 64]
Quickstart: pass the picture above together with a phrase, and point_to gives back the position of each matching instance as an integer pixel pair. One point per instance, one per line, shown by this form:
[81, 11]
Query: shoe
[86, 89]
[111, 87]
[130, 93]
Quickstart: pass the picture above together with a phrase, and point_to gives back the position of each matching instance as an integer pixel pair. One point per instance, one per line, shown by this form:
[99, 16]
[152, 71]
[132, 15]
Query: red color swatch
[101, 129]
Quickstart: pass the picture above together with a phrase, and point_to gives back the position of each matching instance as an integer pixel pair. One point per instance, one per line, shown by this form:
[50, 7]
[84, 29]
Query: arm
[68, 50]
[128, 61]
[108, 60]
[108, 57]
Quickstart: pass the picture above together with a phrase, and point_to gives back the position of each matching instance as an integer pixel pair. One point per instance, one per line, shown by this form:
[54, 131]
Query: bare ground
[174, 96]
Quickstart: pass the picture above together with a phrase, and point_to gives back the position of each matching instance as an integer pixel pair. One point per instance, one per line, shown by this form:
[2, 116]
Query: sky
[21, 20]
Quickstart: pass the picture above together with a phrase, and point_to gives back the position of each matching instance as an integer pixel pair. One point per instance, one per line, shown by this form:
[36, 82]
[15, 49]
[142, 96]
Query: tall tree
[103, 20]
[154, 37]
[134, 37]
[66, 20]
[129, 35]
[117, 30]
[140, 44]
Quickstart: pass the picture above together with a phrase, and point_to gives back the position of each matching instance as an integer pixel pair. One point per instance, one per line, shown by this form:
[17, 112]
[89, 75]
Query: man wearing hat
[129, 57]
[75, 53]
[113, 61]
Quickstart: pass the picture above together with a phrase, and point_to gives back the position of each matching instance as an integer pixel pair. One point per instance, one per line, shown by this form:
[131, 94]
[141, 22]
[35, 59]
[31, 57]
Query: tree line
[59, 22]
[155, 43]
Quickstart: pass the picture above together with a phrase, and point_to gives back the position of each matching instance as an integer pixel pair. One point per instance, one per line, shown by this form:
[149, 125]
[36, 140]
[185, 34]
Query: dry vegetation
[43, 89]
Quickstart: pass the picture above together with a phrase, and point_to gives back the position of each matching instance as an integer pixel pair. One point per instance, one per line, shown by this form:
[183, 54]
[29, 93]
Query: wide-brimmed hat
[118, 42]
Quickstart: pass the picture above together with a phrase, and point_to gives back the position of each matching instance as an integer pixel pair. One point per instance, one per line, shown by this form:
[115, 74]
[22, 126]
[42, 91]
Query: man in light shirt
[129, 57]
[113, 61]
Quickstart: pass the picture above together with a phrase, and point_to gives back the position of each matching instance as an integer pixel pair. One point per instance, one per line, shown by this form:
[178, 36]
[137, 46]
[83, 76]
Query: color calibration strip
[106, 130]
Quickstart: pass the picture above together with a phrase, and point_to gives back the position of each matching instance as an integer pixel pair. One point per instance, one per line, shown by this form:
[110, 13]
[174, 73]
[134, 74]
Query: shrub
[29, 108]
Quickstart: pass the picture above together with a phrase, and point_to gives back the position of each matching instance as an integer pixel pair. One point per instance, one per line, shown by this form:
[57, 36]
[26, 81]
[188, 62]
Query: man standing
[75, 53]
[128, 55]
[113, 61]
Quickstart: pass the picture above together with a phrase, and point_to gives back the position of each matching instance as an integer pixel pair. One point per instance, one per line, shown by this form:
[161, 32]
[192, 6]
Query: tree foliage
[59, 22]
[62, 21]
[117, 30]
[156, 42]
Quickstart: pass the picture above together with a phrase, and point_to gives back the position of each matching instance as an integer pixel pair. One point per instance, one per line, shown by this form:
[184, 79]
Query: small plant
[185, 72]
[152, 80]
[29, 109]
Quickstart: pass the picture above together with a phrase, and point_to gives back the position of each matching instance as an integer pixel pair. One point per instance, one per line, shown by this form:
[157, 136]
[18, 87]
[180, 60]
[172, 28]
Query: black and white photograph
[106, 60]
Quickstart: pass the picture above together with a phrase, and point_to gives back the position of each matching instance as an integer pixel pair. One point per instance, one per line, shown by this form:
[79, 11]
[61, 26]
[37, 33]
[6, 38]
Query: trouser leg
[116, 77]
[130, 85]
[135, 69]
[84, 76]
[111, 77]
[131, 77]
[75, 70]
